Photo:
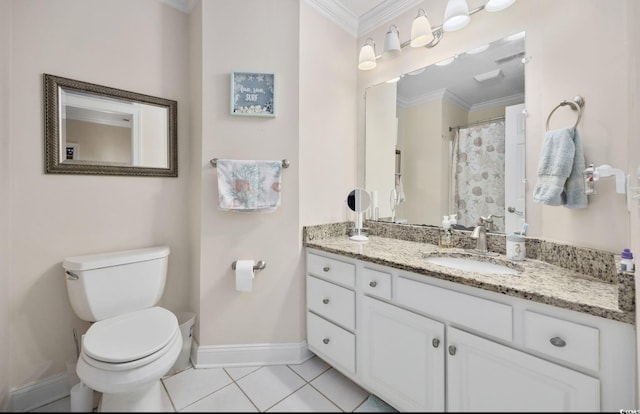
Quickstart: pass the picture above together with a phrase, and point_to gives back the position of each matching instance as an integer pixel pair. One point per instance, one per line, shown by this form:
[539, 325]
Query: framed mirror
[99, 130]
[449, 139]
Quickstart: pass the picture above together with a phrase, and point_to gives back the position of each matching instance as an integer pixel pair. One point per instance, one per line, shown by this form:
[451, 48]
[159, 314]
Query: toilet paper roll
[244, 275]
[81, 399]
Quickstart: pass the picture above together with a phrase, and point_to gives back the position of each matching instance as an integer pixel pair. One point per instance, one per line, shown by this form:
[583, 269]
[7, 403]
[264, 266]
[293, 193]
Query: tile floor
[312, 386]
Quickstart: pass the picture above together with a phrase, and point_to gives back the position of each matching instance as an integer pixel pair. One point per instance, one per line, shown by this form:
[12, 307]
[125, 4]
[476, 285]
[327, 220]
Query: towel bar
[214, 162]
[261, 264]
[576, 104]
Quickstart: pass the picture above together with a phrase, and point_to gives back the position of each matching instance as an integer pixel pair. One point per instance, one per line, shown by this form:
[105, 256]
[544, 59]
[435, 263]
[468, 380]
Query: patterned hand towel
[560, 170]
[247, 186]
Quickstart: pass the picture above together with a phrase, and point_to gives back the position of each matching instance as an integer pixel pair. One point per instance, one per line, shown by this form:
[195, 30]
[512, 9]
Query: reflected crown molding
[441, 94]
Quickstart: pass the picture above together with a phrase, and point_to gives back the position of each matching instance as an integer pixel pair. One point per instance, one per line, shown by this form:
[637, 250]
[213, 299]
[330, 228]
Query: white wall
[53, 216]
[568, 57]
[5, 185]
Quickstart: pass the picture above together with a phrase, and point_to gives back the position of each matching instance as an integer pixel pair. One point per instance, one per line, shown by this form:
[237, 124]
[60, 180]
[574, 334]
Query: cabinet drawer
[568, 341]
[376, 283]
[491, 318]
[336, 271]
[331, 301]
[331, 341]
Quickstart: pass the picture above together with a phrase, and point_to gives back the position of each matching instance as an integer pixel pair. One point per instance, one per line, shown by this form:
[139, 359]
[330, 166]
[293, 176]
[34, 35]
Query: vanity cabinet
[425, 344]
[485, 376]
[402, 356]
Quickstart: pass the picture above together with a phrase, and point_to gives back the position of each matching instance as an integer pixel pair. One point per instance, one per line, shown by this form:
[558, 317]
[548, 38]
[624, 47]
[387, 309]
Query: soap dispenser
[453, 220]
[445, 236]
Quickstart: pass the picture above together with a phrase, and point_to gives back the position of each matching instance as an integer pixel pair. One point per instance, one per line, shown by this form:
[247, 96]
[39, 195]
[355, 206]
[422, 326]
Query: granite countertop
[537, 280]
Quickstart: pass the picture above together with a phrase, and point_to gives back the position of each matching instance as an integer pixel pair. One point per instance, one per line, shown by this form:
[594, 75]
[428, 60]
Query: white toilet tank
[104, 285]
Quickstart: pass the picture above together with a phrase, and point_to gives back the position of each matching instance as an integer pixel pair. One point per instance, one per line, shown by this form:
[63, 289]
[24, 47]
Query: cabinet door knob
[326, 269]
[326, 341]
[373, 283]
[452, 350]
[435, 342]
[325, 301]
[557, 341]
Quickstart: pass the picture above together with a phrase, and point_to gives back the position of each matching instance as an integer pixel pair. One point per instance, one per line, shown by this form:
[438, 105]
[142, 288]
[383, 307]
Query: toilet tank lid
[96, 261]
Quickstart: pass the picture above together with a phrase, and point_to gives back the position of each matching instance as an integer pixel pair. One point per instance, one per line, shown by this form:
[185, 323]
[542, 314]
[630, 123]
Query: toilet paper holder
[261, 264]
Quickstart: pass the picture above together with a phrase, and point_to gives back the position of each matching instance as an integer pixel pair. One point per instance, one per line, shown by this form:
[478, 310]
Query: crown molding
[185, 6]
[335, 11]
[383, 12]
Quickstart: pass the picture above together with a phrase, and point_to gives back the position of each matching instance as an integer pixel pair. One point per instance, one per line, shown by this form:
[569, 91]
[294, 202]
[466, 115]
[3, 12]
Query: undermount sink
[471, 264]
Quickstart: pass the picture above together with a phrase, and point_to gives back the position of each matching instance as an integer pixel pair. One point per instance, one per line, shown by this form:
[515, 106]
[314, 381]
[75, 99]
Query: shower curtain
[477, 171]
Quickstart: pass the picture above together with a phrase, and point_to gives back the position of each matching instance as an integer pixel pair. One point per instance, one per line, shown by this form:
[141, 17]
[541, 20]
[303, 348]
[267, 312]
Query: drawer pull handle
[326, 269]
[557, 341]
[435, 342]
[325, 301]
[452, 350]
[326, 341]
[373, 283]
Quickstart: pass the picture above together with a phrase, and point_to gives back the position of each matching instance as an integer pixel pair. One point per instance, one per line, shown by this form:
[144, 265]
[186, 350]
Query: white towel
[248, 185]
[560, 167]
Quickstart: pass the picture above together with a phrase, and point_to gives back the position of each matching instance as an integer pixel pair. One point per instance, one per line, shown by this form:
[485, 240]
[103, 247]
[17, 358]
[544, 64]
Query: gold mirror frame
[52, 85]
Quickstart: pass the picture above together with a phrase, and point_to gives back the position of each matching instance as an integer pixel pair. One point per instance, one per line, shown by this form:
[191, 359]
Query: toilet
[132, 342]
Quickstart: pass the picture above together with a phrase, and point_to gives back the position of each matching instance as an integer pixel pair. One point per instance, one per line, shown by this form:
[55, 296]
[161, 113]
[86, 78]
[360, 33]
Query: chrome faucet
[480, 233]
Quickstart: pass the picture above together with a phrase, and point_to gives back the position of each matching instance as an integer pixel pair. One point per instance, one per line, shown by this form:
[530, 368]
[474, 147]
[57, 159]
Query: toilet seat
[130, 340]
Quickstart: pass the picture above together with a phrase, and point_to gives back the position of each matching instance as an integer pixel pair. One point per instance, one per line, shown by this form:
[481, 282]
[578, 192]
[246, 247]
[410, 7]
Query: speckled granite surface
[583, 280]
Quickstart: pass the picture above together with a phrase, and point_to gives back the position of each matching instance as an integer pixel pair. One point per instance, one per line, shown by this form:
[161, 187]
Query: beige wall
[562, 54]
[327, 119]
[5, 199]
[100, 142]
[54, 216]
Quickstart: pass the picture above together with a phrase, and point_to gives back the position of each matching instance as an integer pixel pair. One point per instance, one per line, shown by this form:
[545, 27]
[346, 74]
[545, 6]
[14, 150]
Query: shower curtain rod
[476, 123]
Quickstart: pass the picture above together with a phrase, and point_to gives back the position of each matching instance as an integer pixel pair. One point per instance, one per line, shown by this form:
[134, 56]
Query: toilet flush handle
[72, 276]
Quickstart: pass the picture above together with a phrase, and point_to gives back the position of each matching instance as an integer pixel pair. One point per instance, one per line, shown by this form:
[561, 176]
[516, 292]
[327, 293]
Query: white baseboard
[218, 356]
[48, 390]
[39, 393]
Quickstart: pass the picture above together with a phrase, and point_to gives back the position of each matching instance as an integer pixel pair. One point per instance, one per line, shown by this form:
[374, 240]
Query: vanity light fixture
[497, 5]
[392, 43]
[421, 32]
[456, 15]
[367, 59]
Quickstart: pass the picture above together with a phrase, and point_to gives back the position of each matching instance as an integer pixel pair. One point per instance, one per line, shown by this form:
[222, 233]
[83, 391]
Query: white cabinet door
[402, 356]
[486, 376]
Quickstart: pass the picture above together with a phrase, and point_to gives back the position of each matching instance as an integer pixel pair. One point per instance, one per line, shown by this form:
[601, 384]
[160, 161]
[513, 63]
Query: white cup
[515, 247]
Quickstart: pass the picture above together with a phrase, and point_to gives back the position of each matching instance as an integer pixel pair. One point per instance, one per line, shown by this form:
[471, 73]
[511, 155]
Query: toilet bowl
[124, 357]
[132, 342]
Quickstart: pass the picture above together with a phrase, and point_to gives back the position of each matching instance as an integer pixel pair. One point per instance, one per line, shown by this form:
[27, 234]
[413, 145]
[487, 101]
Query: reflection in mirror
[449, 139]
[93, 129]
[358, 201]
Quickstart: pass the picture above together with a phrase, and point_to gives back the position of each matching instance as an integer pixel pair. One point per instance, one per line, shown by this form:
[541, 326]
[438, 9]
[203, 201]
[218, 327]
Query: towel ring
[576, 104]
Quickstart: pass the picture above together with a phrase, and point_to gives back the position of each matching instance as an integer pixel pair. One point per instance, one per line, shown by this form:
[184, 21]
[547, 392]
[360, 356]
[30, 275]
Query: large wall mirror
[94, 129]
[450, 139]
